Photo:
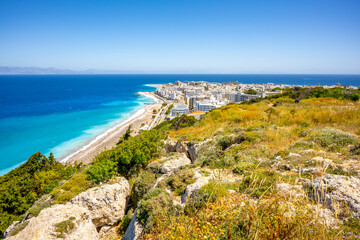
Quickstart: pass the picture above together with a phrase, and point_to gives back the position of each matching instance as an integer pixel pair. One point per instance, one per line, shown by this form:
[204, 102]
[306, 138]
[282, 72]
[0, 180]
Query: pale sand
[87, 153]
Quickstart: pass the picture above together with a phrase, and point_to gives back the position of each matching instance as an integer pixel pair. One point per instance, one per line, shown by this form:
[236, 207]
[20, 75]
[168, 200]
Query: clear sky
[183, 36]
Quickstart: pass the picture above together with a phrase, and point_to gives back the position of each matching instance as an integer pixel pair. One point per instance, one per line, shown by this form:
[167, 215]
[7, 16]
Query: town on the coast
[196, 98]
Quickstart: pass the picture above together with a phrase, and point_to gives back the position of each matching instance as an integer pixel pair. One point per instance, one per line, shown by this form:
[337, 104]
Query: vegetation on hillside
[258, 142]
[21, 187]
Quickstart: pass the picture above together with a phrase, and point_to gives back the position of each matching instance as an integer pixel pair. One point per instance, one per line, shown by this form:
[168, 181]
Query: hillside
[277, 168]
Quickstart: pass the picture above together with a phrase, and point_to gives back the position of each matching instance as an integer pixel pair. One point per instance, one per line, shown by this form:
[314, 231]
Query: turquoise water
[60, 113]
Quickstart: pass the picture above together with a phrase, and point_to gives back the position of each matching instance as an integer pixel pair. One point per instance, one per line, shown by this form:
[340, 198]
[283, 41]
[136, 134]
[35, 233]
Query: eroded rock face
[174, 163]
[43, 227]
[193, 151]
[340, 193]
[170, 146]
[106, 203]
[98, 208]
[134, 230]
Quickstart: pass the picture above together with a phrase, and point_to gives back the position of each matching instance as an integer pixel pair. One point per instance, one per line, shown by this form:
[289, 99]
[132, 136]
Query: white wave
[100, 136]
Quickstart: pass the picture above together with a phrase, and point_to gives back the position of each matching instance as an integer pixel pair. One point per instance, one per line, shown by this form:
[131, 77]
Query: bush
[213, 190]
[141, 186]
[330, 137]
[224, 142]
[35, 210]
[77, 184]
[241, 167]
[157, 201]
[355, 150]
[102, 170]
[302, 145]
[179, 181]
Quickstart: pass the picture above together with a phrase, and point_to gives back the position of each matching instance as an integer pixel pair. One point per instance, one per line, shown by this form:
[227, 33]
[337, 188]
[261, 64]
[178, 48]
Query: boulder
[170, 146]
[134, 230]
[174, 163]
[180, 147]
[107, 203]
[339, 193]
[43, 227]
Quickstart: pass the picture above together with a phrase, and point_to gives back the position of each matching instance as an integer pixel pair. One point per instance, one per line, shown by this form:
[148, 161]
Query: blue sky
[188, 36]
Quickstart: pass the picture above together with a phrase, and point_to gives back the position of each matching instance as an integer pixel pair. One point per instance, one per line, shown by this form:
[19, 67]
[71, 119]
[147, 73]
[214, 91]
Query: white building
[208, 105]
[179, 109]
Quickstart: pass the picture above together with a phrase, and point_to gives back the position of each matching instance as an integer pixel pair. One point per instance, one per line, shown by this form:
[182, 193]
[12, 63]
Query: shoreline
[108, 139]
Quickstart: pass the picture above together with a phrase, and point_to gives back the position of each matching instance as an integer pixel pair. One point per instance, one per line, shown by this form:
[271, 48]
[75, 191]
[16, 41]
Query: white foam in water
[77, 142]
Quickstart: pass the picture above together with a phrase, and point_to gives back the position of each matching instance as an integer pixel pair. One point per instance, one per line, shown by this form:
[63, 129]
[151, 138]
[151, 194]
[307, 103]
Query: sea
[61, 113]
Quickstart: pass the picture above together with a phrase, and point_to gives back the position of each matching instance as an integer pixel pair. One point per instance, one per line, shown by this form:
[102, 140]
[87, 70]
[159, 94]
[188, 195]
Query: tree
[126, 136]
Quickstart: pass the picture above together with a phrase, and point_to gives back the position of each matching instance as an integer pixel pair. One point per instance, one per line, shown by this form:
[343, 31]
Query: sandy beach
[109, 139]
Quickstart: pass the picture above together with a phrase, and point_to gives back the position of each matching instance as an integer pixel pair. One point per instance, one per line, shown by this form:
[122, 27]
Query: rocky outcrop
[96, 209]
[193, 150]
[191, 189]
[107, 204]
[170, 146]
[190, 149]
[134, 230]
[43, 227]
[174, 163]
[339, 193]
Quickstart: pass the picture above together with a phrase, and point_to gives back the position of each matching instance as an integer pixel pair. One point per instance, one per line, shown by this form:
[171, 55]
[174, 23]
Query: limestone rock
[192, 189]
[43, 227]
[325, 162]
[170, 146]
[340, 193]
[107, 203]
[10, 228]
[193, 151]
[180, 147]
[174, 163]
[134, 230]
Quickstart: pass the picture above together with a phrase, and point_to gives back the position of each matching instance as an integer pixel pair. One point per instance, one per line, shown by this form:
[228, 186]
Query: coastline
[109, 138]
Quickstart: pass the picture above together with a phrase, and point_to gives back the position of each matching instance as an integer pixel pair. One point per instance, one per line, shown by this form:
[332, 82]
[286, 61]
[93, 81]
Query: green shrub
[155, 202]
[224, 142]
[213, 190]
[179, 181]
[141, 186]
[125, 221]
[77, 184]
[64, 227]
[37, 208]
[302, 145]
[102, 170]
[355, 150]
[241, 167]
[208, 193]
[330, 137]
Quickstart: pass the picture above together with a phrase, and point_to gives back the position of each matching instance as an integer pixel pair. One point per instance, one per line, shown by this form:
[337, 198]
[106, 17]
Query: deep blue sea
[60, 113]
